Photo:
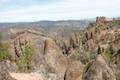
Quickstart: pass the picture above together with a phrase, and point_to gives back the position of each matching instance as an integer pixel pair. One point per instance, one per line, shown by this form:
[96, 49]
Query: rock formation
[101, 20]
[52, 63]
[21, 38]
[99, 70]
[48, 61]
[55, 60]
[4, 72]
[74, 71]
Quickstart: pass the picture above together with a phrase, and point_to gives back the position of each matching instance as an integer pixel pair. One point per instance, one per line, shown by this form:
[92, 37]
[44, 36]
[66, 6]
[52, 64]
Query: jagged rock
[4, 72]
[55, 60]
[99, 70]
[46, 72]
[75, 40]
[53, 64]
[100, 20]
[21, 37]
[48, 58]
[115, 64]
[74, 71]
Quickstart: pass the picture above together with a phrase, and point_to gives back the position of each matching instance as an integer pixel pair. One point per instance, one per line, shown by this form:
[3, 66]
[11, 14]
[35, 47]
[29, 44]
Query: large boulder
[99, 70]
[54, 59]
[74, 71]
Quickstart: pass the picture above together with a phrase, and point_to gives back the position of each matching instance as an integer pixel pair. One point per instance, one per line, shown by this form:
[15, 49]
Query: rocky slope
[100, 37]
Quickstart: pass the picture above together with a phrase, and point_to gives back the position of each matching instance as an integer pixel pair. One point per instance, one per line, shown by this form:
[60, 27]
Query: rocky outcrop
[48, 61]
[20, 38]
[106, 34]
[4, 72]
[55, 60]
[51, 63]
[101, 20]
[115, 64]
[101, 32]
[99, 70]
[74, 71]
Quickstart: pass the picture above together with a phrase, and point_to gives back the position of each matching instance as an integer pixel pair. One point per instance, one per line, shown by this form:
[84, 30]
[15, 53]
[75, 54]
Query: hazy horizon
[37, 10]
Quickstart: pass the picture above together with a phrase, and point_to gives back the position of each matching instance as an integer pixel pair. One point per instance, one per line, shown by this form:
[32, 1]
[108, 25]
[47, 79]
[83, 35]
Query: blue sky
[35, 10]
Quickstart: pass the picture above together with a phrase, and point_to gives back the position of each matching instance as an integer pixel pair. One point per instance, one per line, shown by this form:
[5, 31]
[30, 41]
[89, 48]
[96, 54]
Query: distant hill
[69, 23]
[48, 27]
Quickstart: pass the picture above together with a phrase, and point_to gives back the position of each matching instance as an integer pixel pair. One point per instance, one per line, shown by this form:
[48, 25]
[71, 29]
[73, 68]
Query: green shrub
[107, 55]
[86, 69]
[83, 55]
[4, 53]
[24, 63]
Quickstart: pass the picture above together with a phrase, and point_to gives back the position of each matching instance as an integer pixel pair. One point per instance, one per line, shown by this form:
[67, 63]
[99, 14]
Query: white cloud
[66, 9]
[4, 1]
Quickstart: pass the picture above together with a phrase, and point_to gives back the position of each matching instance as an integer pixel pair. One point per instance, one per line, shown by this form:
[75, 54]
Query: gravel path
[26, 76]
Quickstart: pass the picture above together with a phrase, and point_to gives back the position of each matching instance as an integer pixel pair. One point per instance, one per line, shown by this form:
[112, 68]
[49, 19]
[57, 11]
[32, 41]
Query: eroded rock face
[52, 63]
[100, 20]
[23, 37]
[48, 61]
[55, 60]
[74, 71]
[4, 72]
[99, 70]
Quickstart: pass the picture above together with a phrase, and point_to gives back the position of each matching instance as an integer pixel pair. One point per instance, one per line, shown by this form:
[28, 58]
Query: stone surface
[99, 70]
[74, 71]
[4, 72]
[54, 58]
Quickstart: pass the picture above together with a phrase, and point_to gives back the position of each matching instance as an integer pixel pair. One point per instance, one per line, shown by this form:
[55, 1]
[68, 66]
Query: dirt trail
[26, 76]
